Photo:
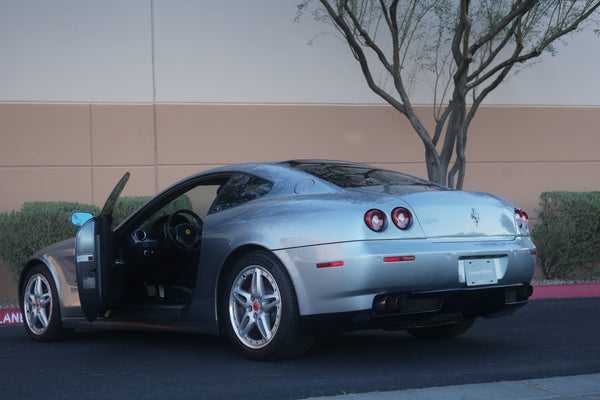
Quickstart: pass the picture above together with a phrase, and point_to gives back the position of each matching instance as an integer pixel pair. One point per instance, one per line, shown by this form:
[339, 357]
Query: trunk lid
[459, 214]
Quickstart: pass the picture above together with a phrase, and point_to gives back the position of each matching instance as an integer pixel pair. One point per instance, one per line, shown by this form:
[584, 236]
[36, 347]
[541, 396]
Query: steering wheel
[186, 236]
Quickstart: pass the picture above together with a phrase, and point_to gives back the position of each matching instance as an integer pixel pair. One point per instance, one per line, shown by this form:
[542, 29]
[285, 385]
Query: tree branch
[494, 53]
[502, 24]
[440, 122]
[462, 58]
[536, 51]
[479, 99]
[394, 32]
[361, 58]
[460, 28]
[366, 37]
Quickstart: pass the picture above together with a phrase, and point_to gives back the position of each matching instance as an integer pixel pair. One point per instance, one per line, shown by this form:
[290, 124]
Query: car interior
[156, 251]
[158, 255]
[161, 254]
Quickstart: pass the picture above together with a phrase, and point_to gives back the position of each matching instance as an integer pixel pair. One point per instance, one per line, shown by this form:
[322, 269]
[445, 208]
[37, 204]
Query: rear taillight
[525, 220]
[375, 220]
[401, 217]
[519, 216]
[522, 218]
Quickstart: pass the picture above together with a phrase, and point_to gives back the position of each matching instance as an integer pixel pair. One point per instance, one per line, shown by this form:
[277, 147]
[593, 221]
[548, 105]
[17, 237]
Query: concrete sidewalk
[566, 387]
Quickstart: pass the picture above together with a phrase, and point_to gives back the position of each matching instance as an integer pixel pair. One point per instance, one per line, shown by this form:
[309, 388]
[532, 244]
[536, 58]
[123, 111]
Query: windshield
[356, 175]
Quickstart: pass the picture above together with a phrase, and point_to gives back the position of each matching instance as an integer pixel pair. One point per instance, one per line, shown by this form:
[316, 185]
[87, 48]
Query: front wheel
[40, 308]
[260, 310]
[443, 331]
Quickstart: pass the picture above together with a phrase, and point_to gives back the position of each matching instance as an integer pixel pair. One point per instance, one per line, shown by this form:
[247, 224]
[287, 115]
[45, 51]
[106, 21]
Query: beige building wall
[76, 152]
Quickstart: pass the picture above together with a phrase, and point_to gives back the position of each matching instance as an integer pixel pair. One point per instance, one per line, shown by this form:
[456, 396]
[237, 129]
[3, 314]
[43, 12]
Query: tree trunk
[455, 141]
[436, 171]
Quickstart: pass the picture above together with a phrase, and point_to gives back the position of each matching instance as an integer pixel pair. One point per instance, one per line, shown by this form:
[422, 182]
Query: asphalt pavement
[558, 388]
[564, 387]
[503, 358]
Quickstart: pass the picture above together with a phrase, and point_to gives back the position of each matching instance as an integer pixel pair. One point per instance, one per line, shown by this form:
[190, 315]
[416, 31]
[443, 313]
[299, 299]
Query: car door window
[198, 199]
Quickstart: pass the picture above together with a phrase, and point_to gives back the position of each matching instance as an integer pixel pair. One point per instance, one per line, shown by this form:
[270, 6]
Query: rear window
[240, 189]
[356, 175]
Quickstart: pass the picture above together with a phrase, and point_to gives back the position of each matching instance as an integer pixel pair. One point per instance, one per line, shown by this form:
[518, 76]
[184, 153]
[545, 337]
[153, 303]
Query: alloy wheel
[255, 306]
[37, 301]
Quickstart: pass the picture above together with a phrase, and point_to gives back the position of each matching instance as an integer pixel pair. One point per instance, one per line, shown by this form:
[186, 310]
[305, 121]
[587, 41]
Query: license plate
[480, 271]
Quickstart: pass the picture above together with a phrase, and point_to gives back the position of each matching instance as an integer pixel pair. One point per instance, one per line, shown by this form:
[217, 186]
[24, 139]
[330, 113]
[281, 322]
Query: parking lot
[547, 338]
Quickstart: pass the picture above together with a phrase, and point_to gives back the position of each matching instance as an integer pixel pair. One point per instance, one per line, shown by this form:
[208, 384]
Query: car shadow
[371, 347]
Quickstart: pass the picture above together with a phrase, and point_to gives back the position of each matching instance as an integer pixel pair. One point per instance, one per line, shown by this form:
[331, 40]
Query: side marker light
[399, 258]
[330, 264]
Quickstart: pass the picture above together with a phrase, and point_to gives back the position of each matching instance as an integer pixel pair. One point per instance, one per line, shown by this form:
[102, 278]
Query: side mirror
[81, 217]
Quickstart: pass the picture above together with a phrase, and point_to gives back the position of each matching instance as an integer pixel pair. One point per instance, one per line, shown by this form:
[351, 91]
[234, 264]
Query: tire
[442, 331]
[260, 309]
[40, 306]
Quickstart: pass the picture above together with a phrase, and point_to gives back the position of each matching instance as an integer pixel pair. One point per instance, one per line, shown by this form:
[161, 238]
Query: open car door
[93, 255]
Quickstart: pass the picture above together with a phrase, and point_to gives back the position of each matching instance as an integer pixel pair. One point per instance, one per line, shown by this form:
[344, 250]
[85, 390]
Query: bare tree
[463, 48]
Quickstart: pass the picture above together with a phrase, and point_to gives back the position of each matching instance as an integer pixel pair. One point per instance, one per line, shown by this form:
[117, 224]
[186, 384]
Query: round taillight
[375, 220]
[519, 216]
[525, 219]
[401, 217]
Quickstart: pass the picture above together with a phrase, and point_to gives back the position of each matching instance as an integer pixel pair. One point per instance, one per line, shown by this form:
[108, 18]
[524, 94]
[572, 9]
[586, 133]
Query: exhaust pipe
[524, 293]
[390, 304]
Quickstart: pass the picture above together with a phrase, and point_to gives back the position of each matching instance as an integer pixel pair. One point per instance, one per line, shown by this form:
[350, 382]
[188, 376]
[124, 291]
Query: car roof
[268, 167]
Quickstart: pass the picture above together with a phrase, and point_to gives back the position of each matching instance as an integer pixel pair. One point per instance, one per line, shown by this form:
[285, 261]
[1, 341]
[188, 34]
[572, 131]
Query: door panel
[89, 266]
[93, 253]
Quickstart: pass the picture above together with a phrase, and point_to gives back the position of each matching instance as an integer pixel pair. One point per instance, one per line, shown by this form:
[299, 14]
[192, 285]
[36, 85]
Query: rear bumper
[367, 273]
[412, 310]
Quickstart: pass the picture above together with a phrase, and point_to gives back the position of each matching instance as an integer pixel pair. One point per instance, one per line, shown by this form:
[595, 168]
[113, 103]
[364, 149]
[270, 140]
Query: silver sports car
[271, 254]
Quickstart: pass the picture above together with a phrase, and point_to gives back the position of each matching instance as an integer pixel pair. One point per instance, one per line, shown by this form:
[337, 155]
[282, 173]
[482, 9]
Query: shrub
[35, 226]
[567, 234]
[40, 224]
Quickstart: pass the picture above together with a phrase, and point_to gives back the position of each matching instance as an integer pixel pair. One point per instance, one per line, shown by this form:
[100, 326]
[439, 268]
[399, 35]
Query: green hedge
[567, 234]
[40, 224]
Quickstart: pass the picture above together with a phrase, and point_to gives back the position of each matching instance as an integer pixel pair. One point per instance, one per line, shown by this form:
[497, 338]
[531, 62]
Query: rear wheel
[443, 331]
[40, 306]
[260, 310]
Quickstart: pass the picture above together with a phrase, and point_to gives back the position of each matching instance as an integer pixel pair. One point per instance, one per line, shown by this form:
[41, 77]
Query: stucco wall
[77, 152]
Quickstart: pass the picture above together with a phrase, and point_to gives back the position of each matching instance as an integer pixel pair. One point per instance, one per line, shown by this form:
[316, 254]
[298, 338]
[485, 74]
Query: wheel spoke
[246, 324]
[242, 297]
[270, 301]
[45, 299]
[258, 287]
[38, 288]
[42, 317]
[264, 326]
[30, 300]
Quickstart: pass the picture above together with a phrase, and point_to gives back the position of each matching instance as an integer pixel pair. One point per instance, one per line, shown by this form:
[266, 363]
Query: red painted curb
[566, 291]
[11, 317]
